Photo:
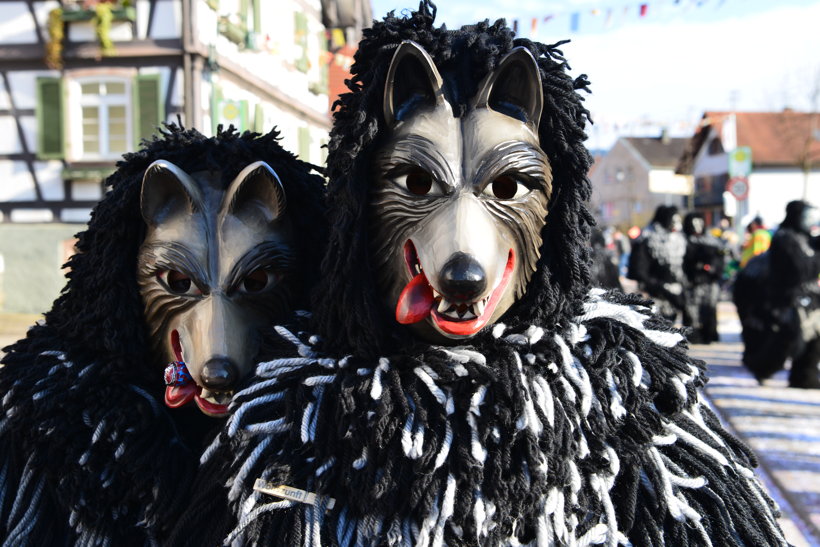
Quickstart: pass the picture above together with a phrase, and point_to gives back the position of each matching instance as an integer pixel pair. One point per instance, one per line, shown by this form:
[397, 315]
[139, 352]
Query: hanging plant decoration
[103, 17]
[56, 33]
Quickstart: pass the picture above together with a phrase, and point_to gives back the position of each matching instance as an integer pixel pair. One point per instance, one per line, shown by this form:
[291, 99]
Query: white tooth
[436, 294]
[443, 306]
[478, 307]
[469, 314]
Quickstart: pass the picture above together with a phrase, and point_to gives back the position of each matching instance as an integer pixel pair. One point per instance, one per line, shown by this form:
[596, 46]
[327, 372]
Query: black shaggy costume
[574, 421]
[778, 301]
[89, 454]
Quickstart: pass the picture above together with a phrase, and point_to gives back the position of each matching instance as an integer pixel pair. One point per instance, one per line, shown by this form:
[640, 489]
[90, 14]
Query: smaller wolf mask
[214, 267]
[459, 205]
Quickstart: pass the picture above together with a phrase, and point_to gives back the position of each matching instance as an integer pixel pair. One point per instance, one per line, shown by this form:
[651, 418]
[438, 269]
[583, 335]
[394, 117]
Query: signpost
[740, 167]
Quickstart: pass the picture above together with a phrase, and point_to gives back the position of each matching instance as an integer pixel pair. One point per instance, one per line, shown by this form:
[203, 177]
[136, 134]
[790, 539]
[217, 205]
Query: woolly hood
[349, 310]
[82, 405]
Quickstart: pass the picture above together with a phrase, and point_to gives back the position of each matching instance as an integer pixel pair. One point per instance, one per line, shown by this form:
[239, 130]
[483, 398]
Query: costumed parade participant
[778, 301]
[458, 383]
[656, 262]
[703, 265]
[199, 243]
[604, 263]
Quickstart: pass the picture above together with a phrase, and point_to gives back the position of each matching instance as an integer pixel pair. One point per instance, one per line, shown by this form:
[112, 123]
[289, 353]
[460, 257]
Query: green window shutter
[259, 119]
[304, 144]
[149, 109]
[301, 35]
[243, 116]
[216, 101]
[50, 119]
[257, 16]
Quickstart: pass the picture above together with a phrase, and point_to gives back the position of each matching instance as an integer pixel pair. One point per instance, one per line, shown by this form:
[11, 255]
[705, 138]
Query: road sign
[740, 162]
[738, 187]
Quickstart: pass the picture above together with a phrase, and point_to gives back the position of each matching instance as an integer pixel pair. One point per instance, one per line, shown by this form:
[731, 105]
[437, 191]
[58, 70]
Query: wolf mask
[459, 203]
[212, 270]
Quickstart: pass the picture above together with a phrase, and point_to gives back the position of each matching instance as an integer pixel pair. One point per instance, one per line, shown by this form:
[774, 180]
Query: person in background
[703, 265]
[757, 241]
[604, 269]
[794, 270]
[656, 261]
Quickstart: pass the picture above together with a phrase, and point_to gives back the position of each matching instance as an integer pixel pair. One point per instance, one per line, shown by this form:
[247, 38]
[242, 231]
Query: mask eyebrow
[518, 157]
[174, 256]
[420, 151]
[270, 253]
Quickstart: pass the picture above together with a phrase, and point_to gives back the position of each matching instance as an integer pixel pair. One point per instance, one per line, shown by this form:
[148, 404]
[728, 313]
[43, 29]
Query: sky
[662, 69]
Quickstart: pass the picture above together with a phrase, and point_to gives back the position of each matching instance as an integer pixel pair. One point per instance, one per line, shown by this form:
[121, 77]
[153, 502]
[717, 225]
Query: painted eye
[417, 181]
[256, 281]
[506, 187]
[179, 283]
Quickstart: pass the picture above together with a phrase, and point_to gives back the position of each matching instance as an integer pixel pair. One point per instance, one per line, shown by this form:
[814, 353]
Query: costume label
[290, 493]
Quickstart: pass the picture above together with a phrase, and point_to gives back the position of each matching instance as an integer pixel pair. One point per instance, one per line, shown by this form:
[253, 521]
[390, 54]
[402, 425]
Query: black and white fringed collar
[85, 458]
[592, 435]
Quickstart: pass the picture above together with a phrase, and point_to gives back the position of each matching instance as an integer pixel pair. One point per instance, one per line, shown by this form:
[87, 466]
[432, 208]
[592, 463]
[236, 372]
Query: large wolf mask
[459, 202]
[212, 270]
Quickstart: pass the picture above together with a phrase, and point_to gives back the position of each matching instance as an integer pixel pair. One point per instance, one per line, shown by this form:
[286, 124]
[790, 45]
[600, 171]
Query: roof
[776, 138]
[659, 151]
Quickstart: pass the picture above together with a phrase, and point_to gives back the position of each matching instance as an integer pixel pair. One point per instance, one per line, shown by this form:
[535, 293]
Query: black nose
[219, 373]
[462, 278]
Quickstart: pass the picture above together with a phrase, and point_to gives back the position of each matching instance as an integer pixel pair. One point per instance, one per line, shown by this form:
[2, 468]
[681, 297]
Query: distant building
[636, 176]
[76, 93]
[785, 149]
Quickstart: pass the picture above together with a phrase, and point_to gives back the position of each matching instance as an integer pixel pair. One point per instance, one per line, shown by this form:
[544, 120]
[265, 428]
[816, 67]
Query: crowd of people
[772, 275]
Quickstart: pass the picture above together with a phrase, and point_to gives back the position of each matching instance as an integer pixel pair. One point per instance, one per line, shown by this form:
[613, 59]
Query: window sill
[88, 170]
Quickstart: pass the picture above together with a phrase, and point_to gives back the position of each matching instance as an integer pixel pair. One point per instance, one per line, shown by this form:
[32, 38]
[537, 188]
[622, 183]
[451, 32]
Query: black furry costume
[778, 301]
[89, 454]
[703, 265]
[656, 262]
[576, 420]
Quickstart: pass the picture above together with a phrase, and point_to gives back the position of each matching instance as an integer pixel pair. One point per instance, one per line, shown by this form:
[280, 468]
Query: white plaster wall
[17, 182]
[83, 31]
[83, 190]
[23, 85]
[16, 24]
[207, 25]
[770, 191]
[29, 125]
[50, 179]
[9, 141]
[41, 11]
[75, 215]
[31, 215]
[167, 19]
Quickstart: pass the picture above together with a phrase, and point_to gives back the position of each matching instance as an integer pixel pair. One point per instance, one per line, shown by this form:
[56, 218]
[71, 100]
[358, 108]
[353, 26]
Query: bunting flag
[612, 14]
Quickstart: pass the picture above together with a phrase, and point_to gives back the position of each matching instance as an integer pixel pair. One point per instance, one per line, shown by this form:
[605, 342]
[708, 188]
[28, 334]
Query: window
[100, 116]
[103, 118]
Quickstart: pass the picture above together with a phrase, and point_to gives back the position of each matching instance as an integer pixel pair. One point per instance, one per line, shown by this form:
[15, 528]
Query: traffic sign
[738, 187]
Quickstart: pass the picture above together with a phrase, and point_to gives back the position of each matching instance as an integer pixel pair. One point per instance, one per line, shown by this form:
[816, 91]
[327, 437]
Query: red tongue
[177, 396]
[415, 301]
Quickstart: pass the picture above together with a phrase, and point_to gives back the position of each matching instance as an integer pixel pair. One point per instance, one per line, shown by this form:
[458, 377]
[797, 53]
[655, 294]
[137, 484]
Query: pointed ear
[166, 192]
[412, 81]
[256, 193]
[514, 88]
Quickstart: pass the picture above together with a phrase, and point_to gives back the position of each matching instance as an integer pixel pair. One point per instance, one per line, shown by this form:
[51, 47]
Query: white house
[785, 163]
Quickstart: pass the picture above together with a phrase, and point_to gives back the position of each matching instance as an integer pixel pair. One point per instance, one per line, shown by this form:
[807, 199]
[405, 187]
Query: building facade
[634, 177]
[785, 164]
[83, 82]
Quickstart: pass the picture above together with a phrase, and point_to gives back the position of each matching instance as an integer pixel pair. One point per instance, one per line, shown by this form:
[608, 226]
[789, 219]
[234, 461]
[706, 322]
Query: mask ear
[514, 88]
[167, 191]
[412, 81]
[256, 194]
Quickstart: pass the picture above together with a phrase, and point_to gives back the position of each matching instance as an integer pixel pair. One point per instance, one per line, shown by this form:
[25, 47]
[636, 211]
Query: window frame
[76, 102]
